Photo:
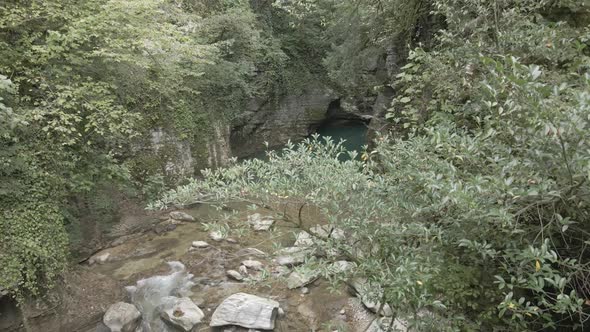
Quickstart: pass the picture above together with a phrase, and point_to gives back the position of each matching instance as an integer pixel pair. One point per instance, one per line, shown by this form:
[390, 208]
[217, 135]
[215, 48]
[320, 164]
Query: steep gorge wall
[293, 116]
[179, 158]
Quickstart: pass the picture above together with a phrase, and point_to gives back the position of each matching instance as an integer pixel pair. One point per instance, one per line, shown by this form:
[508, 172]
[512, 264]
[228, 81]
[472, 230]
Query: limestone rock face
[122, 317]
[180, 158]
[293, 117]
[175, 154]
[180, 312]
[247, 311]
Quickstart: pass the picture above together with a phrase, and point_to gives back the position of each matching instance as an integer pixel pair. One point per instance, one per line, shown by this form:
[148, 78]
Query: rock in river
[216, 236]
[122, 317]
[234, 275]
[247, 311]
[253, 265]
[200, 244]
[303, 239]
[181, 216]
[100, 258]
[292, 256]
[300, 279]
[260, 223]
[180, 312]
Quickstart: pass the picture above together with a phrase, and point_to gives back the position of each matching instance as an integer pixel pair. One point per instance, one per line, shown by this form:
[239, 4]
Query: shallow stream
[90, 289]
[146, 256]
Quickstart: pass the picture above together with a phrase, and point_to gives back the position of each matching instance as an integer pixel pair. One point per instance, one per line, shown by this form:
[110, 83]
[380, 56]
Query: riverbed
[89, 290]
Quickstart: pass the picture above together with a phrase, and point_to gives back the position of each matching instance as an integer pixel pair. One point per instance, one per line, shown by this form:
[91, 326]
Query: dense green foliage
[475, 215]
[506, 146]
[471, 213]
[84, 83]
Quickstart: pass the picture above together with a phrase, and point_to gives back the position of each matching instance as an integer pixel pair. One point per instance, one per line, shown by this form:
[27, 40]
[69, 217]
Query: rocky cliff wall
[291, 117]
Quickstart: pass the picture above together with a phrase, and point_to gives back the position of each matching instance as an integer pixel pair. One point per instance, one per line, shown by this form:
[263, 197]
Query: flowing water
[142, 265]
[144, 262]
[149, 293]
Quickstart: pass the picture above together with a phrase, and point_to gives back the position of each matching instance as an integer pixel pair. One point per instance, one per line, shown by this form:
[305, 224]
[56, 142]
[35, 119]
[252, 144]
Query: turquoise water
[354, 135]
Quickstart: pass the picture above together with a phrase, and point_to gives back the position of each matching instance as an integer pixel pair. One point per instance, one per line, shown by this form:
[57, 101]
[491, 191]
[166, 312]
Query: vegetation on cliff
[474, 216]
[84, 83]
[471, 212]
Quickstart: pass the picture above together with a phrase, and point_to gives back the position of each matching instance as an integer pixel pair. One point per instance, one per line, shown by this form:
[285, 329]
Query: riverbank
[89, 289]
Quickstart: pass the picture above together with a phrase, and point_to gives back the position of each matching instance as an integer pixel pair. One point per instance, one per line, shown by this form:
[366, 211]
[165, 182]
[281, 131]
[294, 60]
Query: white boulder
[245, 310]
[253, 265]
[180, 312]
[233, 274]
[122, 317]
[216, 236]
[200, 244]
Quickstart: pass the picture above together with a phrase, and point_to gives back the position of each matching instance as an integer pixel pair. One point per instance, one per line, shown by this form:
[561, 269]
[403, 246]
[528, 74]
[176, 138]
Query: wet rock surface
[247, 311]
[122, 317]
[300, 279]
[200, 244]
[180, 312]
[253, 264]
[99, 258]
[235, 275]
[145, 256]
[259, 222]
[293, 117]
[181, 216]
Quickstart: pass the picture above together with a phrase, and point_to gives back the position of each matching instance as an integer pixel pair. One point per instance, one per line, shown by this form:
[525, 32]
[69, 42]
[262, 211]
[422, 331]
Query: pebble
[252, 264]
[216, 236]
[305, 290]
[99, 258]
[200, 244]
[233, 274]
[243, 270]
[181, 216]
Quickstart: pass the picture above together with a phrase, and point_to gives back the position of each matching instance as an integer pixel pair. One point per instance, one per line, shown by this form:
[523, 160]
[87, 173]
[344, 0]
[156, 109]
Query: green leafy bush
[478, 218]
